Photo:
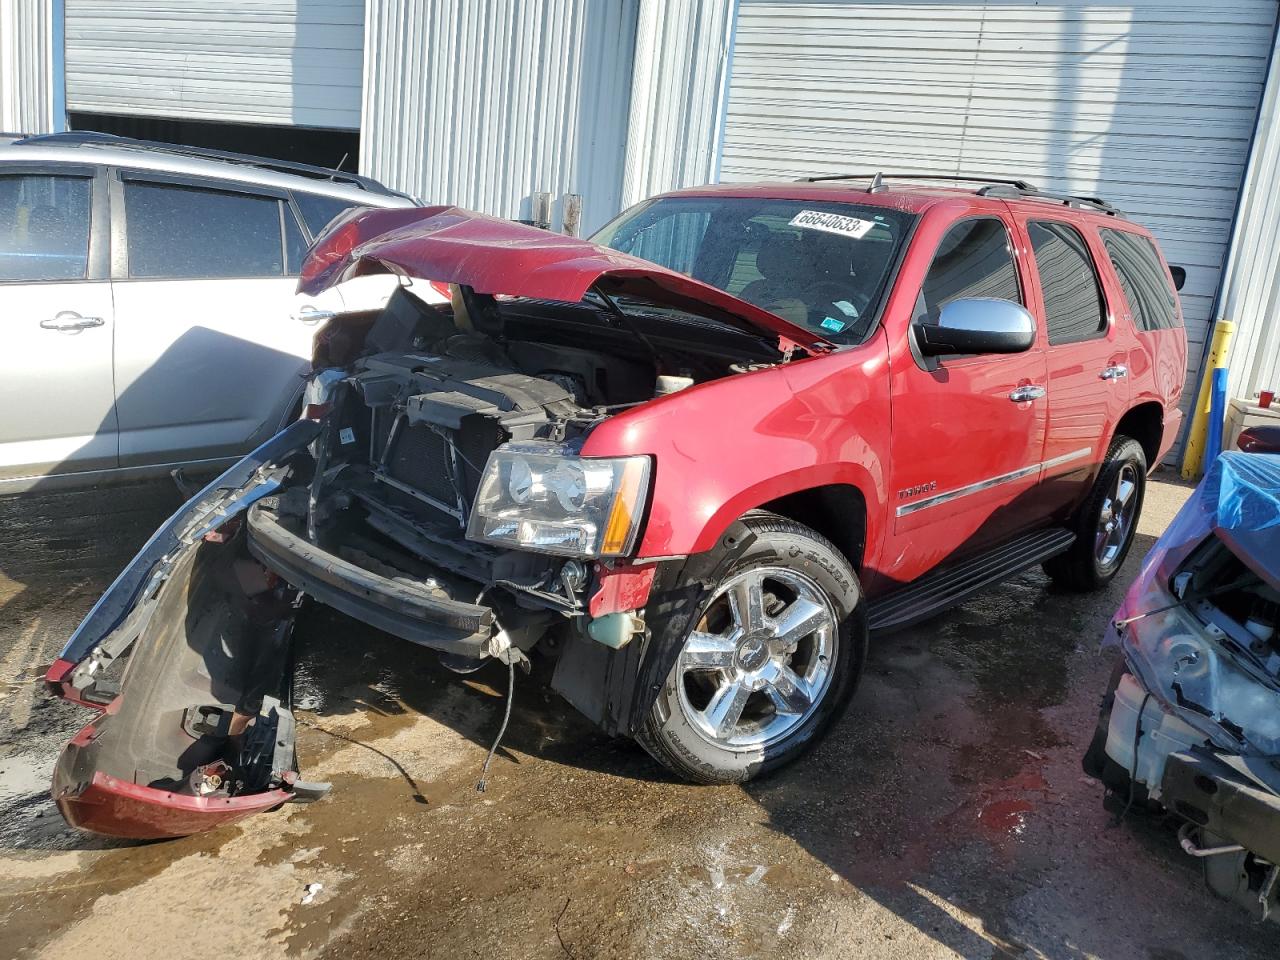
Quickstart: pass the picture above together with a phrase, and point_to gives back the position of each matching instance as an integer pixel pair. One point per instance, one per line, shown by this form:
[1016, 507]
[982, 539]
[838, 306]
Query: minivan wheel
[1106, 523]
[770, 660]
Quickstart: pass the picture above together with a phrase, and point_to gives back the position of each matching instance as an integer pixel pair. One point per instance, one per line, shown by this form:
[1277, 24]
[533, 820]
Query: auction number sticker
[832, 223]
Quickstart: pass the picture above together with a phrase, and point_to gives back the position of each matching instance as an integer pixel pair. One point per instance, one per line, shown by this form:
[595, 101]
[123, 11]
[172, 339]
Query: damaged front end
[1191, 723]
[435, 488]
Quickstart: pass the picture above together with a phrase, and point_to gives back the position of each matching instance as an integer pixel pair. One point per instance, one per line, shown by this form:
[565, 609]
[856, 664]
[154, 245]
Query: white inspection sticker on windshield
[832, 223]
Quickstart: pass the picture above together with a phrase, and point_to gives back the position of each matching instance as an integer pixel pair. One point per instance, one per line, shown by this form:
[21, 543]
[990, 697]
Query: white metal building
[1156, 105]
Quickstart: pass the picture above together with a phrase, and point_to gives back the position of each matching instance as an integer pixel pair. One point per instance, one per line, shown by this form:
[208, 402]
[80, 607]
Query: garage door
[240, 61]
[1150, 105]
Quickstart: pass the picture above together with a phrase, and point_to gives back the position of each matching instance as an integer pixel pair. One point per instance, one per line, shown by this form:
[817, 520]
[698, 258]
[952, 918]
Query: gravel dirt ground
[944, 816]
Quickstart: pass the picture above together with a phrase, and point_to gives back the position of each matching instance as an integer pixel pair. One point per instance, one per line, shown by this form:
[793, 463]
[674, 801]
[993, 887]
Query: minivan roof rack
[94, 138]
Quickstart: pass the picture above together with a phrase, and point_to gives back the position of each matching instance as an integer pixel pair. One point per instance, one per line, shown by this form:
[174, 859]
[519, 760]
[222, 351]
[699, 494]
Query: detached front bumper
[425, 615]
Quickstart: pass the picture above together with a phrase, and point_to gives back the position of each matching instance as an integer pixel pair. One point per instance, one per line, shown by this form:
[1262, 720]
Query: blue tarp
[1241, 492]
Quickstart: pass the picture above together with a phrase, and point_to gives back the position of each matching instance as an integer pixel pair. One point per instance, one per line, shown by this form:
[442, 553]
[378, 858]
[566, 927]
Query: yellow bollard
[1193, 454]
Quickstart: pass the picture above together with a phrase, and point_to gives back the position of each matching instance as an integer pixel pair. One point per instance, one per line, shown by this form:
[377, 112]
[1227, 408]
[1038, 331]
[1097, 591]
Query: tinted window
[188, 232]
[973, 260]
[317, 211]
[44, 227]
[1073, 304]
[816, 263]
[1142, 276]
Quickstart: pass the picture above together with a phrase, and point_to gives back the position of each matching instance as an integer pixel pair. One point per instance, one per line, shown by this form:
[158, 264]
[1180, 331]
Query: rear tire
[1106, 522]
[771, 660]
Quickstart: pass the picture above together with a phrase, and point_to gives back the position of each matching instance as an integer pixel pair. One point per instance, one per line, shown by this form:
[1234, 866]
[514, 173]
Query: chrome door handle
[1114, 372]
[310, 314]
[1028, 392]
[70, 320]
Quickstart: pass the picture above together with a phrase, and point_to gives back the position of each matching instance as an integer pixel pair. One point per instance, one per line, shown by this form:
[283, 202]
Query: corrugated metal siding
[253, 61]
[677, 95]
[484, 103]
[1251, 285]
[29, 78]
[1150, 104]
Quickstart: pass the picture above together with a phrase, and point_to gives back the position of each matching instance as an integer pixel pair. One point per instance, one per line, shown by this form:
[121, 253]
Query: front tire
[770, 661]
[1106, 523]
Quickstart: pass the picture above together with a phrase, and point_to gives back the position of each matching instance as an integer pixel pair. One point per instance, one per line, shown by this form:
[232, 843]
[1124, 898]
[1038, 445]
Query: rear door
[57, 412]
[1087, 377]
[211, 342]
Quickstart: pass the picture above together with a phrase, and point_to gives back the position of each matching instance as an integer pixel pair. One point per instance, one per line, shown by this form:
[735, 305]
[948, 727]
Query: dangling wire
[506, 717]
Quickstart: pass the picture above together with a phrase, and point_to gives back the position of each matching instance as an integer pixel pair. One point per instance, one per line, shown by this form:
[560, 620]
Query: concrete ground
[945, 816]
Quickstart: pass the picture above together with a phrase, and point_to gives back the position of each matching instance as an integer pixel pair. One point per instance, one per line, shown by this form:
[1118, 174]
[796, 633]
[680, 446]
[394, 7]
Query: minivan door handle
[1114, 372]
[69, 320]
[1028, 391]
[310, 314]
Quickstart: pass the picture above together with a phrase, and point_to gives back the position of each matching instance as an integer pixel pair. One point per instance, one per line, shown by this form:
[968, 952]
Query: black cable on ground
[506, 718]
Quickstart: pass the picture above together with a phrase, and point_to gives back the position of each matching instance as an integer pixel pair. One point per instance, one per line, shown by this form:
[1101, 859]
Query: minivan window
[973, 260]
[317, 211]
[1073, 305]
[819, 264]
[185, 232]
[1142, 277]
[44, 227]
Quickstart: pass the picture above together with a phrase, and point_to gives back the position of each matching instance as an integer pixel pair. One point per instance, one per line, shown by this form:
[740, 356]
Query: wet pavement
[945, 815]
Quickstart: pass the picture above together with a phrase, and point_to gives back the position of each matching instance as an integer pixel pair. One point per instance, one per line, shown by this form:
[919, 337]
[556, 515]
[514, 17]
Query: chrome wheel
[1115, 519]
[758, 663]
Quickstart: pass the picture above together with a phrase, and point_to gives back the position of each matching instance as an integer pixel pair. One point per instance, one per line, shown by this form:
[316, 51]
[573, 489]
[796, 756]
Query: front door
[1087, 381]
[57, 405]
[211, 343]
[966, 449]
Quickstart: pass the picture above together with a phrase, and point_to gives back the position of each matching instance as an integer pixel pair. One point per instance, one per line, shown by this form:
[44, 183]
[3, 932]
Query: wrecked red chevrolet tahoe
[692, 464]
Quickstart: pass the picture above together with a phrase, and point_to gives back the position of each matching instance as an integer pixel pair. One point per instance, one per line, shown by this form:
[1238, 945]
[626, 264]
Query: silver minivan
[148, 305]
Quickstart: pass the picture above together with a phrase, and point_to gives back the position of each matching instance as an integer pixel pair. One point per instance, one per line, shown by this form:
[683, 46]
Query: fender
[723, 448]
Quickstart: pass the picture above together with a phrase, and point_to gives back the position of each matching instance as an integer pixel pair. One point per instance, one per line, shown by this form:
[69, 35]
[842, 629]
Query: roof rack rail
[878, 177]
[90, 138]
[1067, 199]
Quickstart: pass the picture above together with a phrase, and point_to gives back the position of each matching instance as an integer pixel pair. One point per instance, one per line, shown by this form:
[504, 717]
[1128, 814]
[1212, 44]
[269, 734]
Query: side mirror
[977, 325]
[1179, 276]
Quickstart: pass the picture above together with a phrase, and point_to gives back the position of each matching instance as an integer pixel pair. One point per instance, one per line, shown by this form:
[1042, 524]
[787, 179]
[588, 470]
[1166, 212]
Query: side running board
[948, 585]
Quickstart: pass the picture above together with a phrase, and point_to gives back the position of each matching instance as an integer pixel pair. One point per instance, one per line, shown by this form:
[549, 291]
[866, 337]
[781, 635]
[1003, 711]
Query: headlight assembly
[539, 496]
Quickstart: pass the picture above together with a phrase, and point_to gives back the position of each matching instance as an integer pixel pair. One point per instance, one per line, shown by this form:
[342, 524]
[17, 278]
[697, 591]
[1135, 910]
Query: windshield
[818, 264]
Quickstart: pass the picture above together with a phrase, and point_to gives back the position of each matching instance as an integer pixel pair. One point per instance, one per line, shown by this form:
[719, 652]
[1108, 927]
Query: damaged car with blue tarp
[1190, 725]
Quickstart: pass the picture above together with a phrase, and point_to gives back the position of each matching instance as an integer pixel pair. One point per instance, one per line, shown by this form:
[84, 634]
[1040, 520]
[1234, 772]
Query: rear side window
[317, 211]
[973, 260]
[1142, 277]
[190, 232]
[44, 227]
[1073, 305]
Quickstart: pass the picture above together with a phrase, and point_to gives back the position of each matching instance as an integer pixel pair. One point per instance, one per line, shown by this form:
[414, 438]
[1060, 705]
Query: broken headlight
[539, 496]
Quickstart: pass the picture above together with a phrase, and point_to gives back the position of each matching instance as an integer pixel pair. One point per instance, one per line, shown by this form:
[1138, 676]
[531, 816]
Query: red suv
[691, 465]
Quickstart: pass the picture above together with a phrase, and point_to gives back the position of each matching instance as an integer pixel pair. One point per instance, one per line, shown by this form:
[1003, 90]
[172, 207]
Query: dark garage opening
[339, 149]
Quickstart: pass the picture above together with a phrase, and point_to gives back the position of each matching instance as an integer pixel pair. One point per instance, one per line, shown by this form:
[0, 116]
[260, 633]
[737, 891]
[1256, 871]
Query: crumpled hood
[496, 256]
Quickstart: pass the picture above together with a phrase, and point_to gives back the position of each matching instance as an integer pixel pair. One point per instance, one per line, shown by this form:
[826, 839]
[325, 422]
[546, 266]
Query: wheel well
[1145, 423]
[838, 511]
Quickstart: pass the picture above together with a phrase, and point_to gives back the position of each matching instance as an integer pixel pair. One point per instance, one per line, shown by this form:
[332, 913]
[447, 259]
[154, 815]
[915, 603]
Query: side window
[1142, 277]
[44, 227]
[295, 246]
[1073, 305]
[973, 260]
[189, 232]
[317, 211]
